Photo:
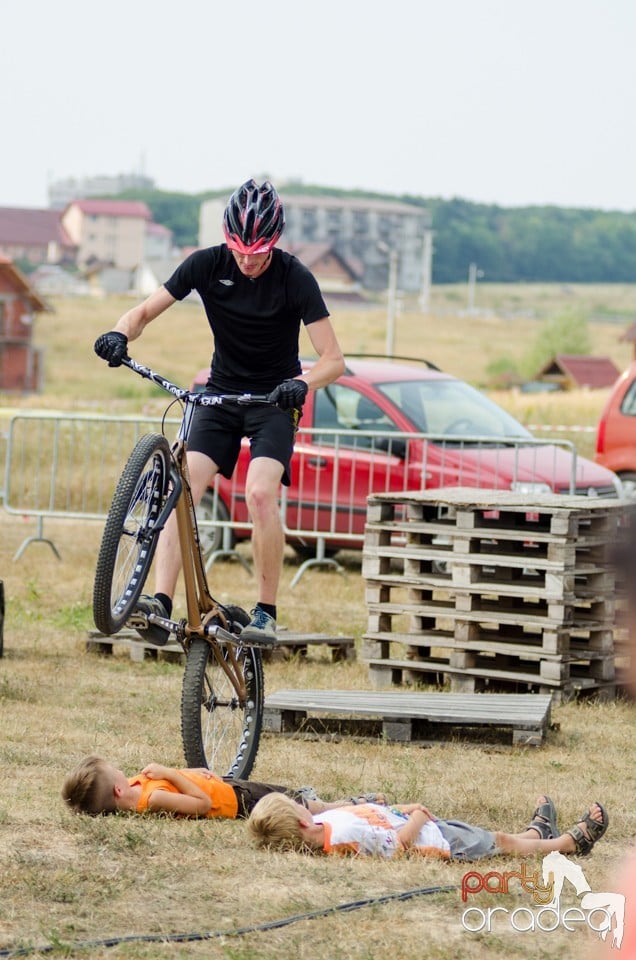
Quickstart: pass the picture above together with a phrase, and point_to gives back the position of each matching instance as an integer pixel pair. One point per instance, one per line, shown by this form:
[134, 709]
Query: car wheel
[212, 510]
[629, 485]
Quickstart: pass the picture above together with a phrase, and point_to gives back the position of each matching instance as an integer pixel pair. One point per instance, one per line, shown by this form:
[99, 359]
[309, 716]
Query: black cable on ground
[215, 934]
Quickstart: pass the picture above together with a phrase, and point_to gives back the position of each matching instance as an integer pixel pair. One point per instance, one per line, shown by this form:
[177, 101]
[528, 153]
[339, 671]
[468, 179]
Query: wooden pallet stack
[491, 591]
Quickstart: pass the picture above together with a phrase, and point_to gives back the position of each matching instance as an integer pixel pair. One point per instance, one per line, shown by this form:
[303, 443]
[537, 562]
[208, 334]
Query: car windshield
[451, 407]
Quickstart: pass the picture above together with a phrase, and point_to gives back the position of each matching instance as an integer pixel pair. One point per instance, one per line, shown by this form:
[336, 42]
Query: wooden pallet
[565, 678]
[555, 514]
[510, 577]
[513, 640]
[487, 609]
[412, 717]
[425, 549]
[288, 644]
[138, 649]
[476, 588]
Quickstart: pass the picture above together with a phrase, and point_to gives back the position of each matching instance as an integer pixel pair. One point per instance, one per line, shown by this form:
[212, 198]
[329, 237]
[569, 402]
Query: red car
[616, 433]
[387, 426]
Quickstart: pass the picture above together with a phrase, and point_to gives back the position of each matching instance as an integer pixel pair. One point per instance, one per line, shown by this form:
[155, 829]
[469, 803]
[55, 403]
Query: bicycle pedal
[221, 634]
[137, 621]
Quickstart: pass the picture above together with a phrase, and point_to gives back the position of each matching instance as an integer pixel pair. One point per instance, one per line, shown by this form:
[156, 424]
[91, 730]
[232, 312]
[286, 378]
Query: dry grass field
[140, 881]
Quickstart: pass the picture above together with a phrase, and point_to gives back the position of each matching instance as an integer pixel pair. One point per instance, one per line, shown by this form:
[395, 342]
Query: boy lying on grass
[376, 829]
[97, 787]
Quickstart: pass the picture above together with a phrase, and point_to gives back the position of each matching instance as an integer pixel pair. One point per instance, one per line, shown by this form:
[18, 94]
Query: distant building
[339, 280]
[52, 280]
[158, 242]
[62, 192]
[151, 274]
[571, 372]
[35, 236]
[361, 230]
[20, 361]
[108, 231]
[629, 336]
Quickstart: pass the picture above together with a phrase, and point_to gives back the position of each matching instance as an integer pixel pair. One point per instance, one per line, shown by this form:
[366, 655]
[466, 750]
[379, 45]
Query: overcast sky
[511, 102]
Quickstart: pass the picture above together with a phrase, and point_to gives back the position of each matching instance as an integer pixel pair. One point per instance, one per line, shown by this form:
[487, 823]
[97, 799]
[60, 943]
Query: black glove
[112, 346]
[289, 394]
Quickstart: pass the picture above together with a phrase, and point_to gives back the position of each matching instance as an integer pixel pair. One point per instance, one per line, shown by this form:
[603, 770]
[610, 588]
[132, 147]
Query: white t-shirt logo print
[227, 283]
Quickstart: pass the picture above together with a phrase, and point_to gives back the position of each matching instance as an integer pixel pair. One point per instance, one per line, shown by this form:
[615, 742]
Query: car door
[341, 461]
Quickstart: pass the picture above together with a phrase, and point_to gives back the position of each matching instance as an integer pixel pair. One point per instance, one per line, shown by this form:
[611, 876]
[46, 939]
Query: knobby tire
[219, 731]
[130, 538]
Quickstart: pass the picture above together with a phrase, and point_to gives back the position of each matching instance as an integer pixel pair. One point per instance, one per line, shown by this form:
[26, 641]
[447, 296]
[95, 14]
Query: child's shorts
[466, 841]
[249, 792]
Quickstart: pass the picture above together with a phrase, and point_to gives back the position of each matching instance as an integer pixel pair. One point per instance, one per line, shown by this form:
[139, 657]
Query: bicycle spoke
[130, 537]
[221, 730]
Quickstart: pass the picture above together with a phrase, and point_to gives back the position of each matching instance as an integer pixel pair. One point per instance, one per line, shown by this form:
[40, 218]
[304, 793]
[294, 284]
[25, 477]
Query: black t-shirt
[255, 322]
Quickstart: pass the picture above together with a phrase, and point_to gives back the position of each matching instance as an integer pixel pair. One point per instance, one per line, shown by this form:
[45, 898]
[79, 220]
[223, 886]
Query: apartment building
[108, 231]
[365, 232]
[62, 192]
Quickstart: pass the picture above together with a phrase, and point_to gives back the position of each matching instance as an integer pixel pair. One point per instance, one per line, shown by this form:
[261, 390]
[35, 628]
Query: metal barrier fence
[62, 465]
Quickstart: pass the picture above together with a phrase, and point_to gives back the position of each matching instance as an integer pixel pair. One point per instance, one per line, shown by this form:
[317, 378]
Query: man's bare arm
[133, 322]
[330, 364]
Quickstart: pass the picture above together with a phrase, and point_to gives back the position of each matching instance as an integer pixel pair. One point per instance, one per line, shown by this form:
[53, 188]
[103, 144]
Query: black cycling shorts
[217, 432]
[249, 792]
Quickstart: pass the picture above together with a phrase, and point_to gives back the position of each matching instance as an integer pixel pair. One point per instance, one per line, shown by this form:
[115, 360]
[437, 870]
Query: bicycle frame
[202, 609]
[222, 689]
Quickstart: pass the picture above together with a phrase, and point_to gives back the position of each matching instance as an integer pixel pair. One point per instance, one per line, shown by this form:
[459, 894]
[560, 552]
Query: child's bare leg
[527, 846]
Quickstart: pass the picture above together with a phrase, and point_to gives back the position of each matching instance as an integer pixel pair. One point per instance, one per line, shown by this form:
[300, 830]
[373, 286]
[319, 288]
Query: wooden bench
[412, 717]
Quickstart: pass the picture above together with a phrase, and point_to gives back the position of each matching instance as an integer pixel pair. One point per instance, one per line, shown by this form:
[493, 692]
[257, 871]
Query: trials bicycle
[223, 687]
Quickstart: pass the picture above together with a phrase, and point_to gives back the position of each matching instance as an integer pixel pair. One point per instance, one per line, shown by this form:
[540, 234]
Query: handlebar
[190, 396]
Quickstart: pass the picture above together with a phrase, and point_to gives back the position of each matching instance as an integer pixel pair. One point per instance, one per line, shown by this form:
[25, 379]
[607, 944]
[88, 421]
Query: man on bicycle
[255, 297]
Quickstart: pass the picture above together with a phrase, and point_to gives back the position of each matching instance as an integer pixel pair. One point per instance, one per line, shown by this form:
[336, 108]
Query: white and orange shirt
[370, 829]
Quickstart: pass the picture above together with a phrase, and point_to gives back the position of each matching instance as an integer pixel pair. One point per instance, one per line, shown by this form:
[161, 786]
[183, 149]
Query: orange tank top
[222, 795]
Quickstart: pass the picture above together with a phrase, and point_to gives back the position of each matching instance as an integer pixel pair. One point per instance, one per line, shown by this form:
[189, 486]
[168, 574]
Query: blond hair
[89, 788]
[275, 822]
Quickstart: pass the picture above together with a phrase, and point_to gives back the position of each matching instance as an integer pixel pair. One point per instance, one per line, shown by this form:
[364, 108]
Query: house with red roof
[34, 236]
[20, 360]
[339, 277]
[573, 372]
[108, 231]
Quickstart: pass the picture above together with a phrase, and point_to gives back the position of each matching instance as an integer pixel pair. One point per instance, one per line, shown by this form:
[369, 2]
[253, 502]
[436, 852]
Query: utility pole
[391, 302]
[391, 294]
[427, 271]
[473, 275]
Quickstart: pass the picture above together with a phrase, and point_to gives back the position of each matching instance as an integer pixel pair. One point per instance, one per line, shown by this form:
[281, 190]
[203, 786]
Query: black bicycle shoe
[151, 632]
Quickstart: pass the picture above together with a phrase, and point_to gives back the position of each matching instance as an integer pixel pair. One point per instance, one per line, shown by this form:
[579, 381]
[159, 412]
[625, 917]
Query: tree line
[509, 244]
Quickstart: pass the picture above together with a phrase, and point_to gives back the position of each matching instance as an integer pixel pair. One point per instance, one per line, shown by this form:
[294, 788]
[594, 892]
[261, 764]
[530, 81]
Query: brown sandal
[544, 820]
[595, 830]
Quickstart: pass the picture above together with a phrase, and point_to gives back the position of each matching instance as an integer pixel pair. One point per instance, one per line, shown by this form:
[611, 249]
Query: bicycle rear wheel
[130, 536]
[220, 730]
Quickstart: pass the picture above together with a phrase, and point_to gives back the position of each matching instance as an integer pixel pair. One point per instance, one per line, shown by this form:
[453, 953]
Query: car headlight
[521, 486]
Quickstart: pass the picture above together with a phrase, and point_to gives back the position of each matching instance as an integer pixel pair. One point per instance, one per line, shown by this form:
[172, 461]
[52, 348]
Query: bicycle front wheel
[221, 729]
[130, 535]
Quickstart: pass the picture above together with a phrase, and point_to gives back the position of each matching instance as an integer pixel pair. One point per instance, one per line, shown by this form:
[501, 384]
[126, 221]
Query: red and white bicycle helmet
[253, 220]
